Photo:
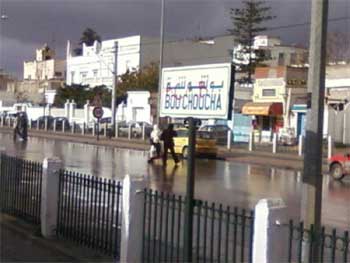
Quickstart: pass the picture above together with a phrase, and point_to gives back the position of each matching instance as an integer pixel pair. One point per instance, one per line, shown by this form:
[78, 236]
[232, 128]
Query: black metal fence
[20, 188]
[219, 234]
[90, 211]
[332, 246]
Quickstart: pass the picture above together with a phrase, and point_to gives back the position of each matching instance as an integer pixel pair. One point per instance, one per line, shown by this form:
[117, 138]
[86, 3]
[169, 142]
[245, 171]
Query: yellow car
[205, 144]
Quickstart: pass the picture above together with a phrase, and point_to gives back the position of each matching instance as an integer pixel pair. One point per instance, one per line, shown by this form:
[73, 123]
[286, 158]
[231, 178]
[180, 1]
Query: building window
[95, 73]
[58, 74]
[83, 75]
[281, 58]
[269, 92]
[293, 59]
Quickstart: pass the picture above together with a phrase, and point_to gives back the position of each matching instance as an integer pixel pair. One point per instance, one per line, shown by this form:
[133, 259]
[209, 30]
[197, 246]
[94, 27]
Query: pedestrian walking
[155, 143]
[16, 131]
[21, 126]
[168, 139]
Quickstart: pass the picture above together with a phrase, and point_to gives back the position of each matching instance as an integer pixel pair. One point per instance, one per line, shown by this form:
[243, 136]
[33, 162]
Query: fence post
[83, 129]
[270, 241]
[132, 219]
[116, 130]
[87, 112]
[251, 141]
[73, 127]
[45, 124]
[105, 129]
[94, 129]
[30, 123]
[2, 121]
[54, 125]
[63, 126]
[66, 109]
[143, 131]
[229, 139]
[129, 132]
[300, 145]
[274, 143]
[49, 196]
[330, 147]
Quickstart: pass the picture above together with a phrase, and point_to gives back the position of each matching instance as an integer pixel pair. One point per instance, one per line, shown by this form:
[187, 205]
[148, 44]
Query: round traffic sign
[97, 112]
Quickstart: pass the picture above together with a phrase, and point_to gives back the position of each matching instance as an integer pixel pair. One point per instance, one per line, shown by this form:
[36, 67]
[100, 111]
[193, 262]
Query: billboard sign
[196, 91]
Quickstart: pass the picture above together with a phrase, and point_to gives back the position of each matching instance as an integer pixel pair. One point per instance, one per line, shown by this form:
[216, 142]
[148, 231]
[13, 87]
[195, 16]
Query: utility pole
[161, 47]
[190, 188]
[114, 85]
[311, 206]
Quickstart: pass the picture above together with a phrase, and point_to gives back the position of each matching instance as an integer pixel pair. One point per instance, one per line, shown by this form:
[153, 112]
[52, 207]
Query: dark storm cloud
[34, 22]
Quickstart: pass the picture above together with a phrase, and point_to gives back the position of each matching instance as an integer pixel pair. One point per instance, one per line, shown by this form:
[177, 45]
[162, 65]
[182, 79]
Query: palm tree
[89, 36]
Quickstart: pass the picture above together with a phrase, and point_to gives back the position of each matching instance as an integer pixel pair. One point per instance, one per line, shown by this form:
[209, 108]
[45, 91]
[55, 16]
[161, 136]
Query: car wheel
[185, 152]
[336, 171]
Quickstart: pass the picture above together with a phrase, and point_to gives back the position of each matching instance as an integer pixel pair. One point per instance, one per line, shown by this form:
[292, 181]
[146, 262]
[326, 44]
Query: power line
[306, 23]
[337, 19]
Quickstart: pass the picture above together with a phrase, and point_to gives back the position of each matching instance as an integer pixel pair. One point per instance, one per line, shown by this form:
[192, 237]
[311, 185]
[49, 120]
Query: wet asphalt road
[229, 183]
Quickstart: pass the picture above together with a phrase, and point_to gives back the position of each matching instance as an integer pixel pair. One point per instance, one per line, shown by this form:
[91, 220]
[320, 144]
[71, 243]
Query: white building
[45, 66]
[96, 65]
[136, 108]
[276, 52]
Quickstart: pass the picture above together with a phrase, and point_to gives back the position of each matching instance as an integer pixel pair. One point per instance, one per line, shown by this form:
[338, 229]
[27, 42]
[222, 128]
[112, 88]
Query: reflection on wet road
[226, 182]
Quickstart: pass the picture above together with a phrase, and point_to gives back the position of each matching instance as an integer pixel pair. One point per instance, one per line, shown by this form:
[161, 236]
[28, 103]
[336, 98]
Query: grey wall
[336, 128]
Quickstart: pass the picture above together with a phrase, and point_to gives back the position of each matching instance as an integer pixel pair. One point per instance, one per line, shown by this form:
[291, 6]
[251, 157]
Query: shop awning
[264, 109]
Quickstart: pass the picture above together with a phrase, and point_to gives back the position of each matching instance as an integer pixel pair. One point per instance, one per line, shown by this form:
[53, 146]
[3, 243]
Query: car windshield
[182, 133]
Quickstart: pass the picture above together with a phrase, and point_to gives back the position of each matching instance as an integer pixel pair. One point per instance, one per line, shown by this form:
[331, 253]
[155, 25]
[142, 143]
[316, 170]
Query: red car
[339, 165]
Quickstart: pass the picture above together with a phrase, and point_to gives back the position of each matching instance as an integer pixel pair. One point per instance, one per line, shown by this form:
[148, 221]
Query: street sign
[97, 112]
[198, 91]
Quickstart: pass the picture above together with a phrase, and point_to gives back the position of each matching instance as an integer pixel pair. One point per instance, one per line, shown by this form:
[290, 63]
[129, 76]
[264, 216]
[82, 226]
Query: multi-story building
[97, 64]
[276, 90]
[45, 66]
[41, 76]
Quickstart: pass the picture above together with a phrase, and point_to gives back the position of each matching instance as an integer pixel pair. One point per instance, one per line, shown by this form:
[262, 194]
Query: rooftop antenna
[53, 42]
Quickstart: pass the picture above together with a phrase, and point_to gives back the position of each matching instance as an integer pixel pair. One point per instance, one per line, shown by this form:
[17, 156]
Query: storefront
[267, 118]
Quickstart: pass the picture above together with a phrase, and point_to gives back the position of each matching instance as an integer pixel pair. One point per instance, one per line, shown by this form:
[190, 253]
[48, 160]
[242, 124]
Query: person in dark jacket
[21, 126]
[167, 137]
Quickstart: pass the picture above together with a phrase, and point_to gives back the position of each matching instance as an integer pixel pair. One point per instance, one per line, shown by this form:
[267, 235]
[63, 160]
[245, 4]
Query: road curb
[140, 145]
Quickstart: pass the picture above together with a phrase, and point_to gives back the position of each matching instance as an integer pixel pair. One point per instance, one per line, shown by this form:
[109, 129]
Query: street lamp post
[114, 86]
[312, 173]
[161, 48]
[3, 17]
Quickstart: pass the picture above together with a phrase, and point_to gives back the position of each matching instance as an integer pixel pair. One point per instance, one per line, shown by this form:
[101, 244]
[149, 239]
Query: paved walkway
[19, 242]
[16, 246]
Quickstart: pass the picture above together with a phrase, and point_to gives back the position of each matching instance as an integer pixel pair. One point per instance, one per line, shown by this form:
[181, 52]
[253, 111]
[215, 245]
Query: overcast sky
[31, 23]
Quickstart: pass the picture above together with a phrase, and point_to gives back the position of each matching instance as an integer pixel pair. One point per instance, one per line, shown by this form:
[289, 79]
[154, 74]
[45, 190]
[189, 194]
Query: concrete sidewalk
[21, 242]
